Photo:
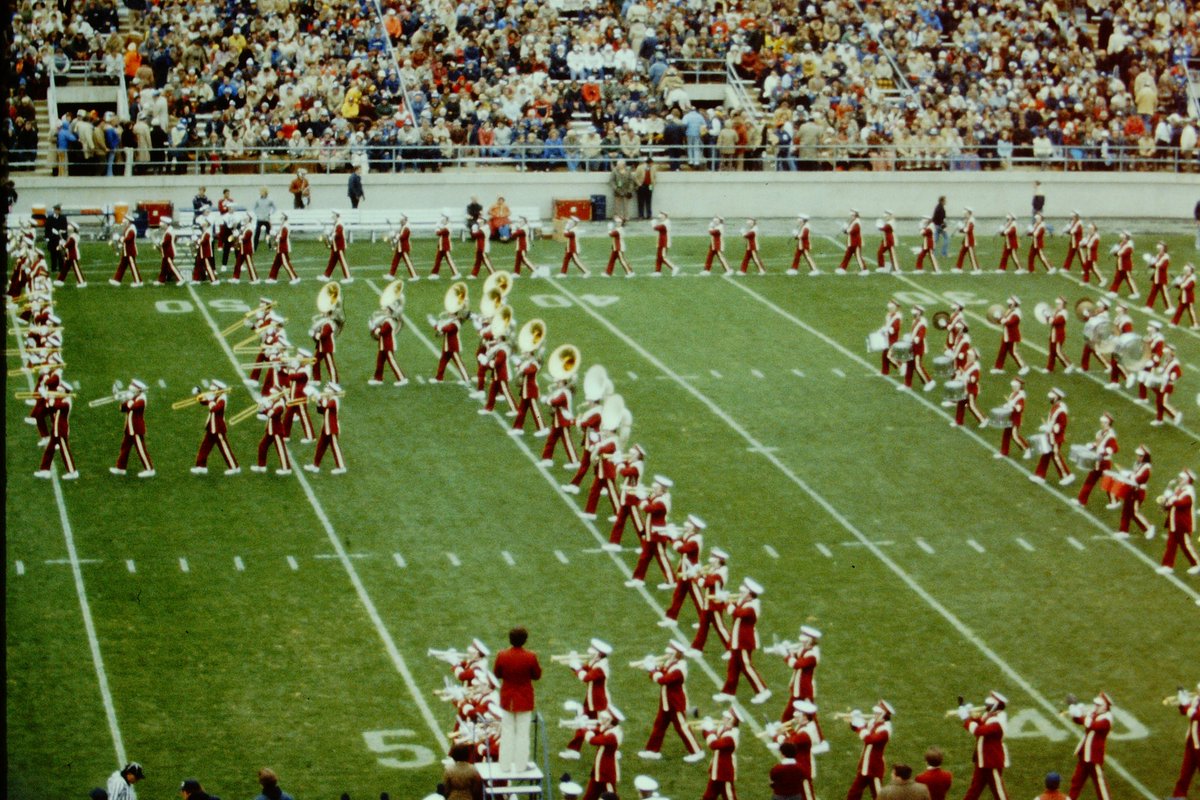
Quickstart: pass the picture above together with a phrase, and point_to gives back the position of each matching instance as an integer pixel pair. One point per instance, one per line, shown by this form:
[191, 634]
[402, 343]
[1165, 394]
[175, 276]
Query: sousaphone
[500, 280]
[1084, 309]
[1042, 312]
[455, 299]
[595, 383]
[941, 320]
[490, 302]
[501, 322]
[994, 313]
[564, 362]
[392, 298]
[329, 303]
[531, 336]
[612, 413]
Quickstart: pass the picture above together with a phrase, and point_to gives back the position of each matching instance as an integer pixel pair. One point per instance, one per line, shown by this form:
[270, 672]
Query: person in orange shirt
[133, 60]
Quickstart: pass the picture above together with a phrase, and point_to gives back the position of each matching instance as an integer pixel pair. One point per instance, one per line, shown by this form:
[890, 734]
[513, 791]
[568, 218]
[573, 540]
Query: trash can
[141, 221]
[599, 207]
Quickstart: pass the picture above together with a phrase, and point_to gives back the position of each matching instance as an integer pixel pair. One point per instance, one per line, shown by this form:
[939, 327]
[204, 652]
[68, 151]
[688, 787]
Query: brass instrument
[1042, 313]
[568, 658]
[450, 655]
[1174, 699]
[564, 362]
[580, 723]
[651, 663]
[34, 329]
[501, 321]
[531, 336]
[12, 373]
[119, 393]
[20, 351]
[596, 385]
[244, 414]
[1084, 309]
[490, 302]
[249, 344]
[846, 716]
[456, 298]
[270, 364]
[784, 648]
[376, 319]
[707, 723]
[972, 711]
[941, 320]
[1167, 492]
[774, 729]
[262, 307]
[994, 313]
[393, 295]
[500, 280]
[39, 395]
[329, 304]
[198, 394]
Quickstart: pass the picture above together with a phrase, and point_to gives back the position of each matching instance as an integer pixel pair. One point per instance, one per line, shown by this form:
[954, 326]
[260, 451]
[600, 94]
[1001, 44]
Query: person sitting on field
[498, 220]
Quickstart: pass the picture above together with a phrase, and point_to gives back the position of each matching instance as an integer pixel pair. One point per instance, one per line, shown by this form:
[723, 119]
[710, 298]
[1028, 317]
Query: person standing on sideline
[264, 207]
[300, 189]
[934, 778]
[355, 188]
[623, 186]
[939, 224]
[120, 783]
[903, 787]
[693, 125]
[269, 782]
[1038, 203]
[517, 669]
[461, 779]
[643, 179]
[56, 237]
[1053, 781]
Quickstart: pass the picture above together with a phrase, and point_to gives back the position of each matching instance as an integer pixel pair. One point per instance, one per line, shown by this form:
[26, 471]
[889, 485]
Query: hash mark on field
[292, 563]
[162, 384]
[632, 375]
[399, 559]
[823, 550]
[454, 562]
[561, 556]
[867, 544]
[668, 377]
[924, 545]
[761, 449]
[508, 559]
[76, 561]
[1025, 544]
[336, 556]
[238, 564]
[771, 551]
[838, 372]
[976, 546]
[183, 565]
[1078, 545]
[714, 373]
[758, 373]
[129, 565]
[20, 567]
[798, 373]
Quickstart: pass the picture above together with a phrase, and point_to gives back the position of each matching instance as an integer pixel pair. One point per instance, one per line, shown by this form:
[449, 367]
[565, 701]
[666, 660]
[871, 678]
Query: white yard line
[89, 625]
[561, 556]
[1025, 545]
[508, 558]
[976, 546]
[129, 565]
[924, 545]
[399, 559]
[823, 550]
[915, 586]
[453, 559]
[335, 541]
[1015, 464]
[295, 566]
[1078, 545]
[771, 551]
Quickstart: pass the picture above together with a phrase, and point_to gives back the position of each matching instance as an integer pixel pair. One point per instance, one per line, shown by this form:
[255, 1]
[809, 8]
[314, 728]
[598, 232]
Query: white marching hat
[644, 783]
[696, 522]
[805, 707]
[998, 698]
[885, 707]
[565, 788]
[752, 585]
[662, 480]
[137, 384]
[1059, 393]
[480, 648]
[1103, 699]
[810, 632]
[717, 552]
[602, 646]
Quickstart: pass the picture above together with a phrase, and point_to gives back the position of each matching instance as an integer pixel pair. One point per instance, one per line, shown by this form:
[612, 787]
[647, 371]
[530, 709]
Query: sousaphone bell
[456, 298]
[531, 335]
[1084, 309]
[994, 313]
[500, 280]
[492, 299]
[392, 295]
[564, 362]
[1041, 312]
[501, 322]
[941, 320]
[612, 412]
[596, 385]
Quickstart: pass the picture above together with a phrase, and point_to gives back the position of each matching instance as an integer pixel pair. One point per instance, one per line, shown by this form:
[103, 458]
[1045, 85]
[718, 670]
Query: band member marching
[527, 366]
[655, 509]
[335, 239]
[802, 236]
[606, 737]
[564, 363]
[329, 404]
[616, 232]
[853, 231]
[750, 234]
[1189, 706]
[1160, 266]
[297, 374]
[928, 234]
[1179, 503]
[712, 590]
[743, 641]
[496, 360]
[213, 399]
[887, 244]
[282, 239]
[1008, 232]
[1055, 429]
[1186, 302]
[662, 231]
[1123, 271]
[521, 236]
[402, 250]
[799, 738]
[803, 658]
[479, 236]
[324, 331]
[384, 327]
[722, 740]
[1037, 245]
[128, 257]
[1089, 255]
[1057, 322]
[716, 247]
[967, 248]
[1074, 234]
[70, 258]
[442, 253]
[166, 246]
[687, 572]
[916, 364]
[244, 256]
[1122, 324]
[1131, 505]
[875, 735]
[670, 674]
[203, 266]
[968, 376]
[1010, 337]
[133, 406]
[593, 672]
[990, 756]
[58, 438]
[571, 250]
[1104, 445]
[1089, 753]
[449, 325]
[1085, 359]
[274, 406]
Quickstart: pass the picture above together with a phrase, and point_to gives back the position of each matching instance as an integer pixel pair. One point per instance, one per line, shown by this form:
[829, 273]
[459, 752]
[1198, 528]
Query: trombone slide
[973, 711]
[103, 401]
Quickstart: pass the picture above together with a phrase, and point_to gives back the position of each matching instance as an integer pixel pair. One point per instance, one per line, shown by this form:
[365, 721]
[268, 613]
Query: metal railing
[744, 99]
[700, 70]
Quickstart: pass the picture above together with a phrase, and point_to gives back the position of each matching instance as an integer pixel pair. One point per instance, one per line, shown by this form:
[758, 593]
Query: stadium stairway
[46, 130]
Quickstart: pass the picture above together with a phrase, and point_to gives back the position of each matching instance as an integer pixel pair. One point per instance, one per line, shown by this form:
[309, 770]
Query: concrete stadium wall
[682, 194]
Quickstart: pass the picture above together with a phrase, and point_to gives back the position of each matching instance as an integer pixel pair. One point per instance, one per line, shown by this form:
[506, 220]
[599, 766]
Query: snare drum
[902, 351]
[877, 341]
[954, 391]
[1084, 457]
[943, 366]
[1114, 483]
[1039, 443]
[1000, 417]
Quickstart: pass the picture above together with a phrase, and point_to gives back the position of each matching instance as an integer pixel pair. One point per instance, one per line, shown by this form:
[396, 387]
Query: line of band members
[236, 231]
[797, 738]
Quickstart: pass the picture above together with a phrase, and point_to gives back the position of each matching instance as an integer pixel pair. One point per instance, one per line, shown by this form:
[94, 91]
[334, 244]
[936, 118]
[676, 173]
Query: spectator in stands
[354, 188]
[299, 187]
[269, 781]
[462, 780]
[63, 143]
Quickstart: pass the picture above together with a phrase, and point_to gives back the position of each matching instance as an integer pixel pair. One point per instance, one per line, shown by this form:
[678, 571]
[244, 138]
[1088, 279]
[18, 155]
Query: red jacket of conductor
[517, 669]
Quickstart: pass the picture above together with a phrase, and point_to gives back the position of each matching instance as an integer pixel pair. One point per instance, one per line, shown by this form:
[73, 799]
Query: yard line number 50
[228, 304]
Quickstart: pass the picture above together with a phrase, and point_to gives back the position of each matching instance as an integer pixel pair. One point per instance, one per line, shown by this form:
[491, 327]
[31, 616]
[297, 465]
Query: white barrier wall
[682, 194]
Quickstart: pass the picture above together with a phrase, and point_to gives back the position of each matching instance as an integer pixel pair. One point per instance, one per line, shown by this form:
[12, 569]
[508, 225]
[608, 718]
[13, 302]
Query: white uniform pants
[514, 741]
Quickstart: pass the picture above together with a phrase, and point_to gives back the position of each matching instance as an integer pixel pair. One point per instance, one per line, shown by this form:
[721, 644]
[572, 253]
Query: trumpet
[783, 648]
[845, 716]
[450, 656]
[1167, 493]
[707, 723]
[579, 723]
[650, 663]
[568, 658]
[1175, 699]
[973, 711]
[774, 729]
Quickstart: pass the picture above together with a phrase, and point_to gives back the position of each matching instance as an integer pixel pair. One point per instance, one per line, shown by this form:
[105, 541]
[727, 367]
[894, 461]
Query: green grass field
[284, 621]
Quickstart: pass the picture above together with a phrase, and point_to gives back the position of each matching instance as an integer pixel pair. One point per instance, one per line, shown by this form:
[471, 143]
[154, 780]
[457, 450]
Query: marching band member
[853, 231]
[1131, 505]
[282, 240]
[496, 359]
[571, 253]
[802, 235]
[528, 366]
[1010, 337]
[442, 232]
[295, 377]
[803, 660]
[449, 325]
[561, 420]
[629, 498]
[743, 641]
[1055, 427]
[801, 740]
[1122, 324]
[70, 258]
[133, 406]
[887, 244]
[716, 247]
[166, 246]
[128, 256]
[1074, 233]
[1089, 255]
[204, 266]
[968, 375]
[244, 255]
[402, 250]
[274, 406]
[616, 232]
[1085, 359]
[655, 509]
[928, 233]
[750, 234]
[606, 737]
[875, 735]
[521, 236]
[336, 240]
[1189, 706]
[1058, 336]
[1096, 723]
[225, 232]
[1186, 284]
[671, 677]
[662, 230]
[594, 674]
[1179, 504]
[967, 229]
[1160, 265]
[955, 326]
[384, 332]
[991, 754]
[891, 328]
[58, 405]
[712, 590]
[604, 476]
[1009, 234]
[1157, 346]
[1104, 445]
[688, 546]
[722, 740]
[215, 431]
[1123, 271]
[588, 423]
[479, 235]
[917, 363]
[48, 380]
[1037, 245]
[473, 670]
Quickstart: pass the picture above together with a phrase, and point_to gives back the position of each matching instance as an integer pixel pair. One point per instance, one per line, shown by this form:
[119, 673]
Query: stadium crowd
[842, 85]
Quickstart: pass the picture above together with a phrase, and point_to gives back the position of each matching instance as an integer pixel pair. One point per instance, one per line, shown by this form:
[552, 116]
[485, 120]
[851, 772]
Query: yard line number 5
[411, 756]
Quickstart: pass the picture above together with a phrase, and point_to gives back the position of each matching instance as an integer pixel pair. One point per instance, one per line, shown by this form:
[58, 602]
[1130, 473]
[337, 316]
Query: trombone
[15, 371]
[568, 658]
[20, 351]
[242, 321]
[39, 395]
[118, 395]
[650, 663]
[197, 396]
[972, 711]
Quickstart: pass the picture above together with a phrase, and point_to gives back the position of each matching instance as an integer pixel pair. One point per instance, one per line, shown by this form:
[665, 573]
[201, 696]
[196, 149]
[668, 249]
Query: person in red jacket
[887, 244]
[1189, 707]
[743, 641]
[606, 770]
[991, 754]
[133, 406]
[593, 672]
[517, 669]
[1090, 753]
[750, 234]
[670, 676]
[853, 231]
[722, 740]
[128, 257]
[934, 778]
[788, 779]
[875, 736]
